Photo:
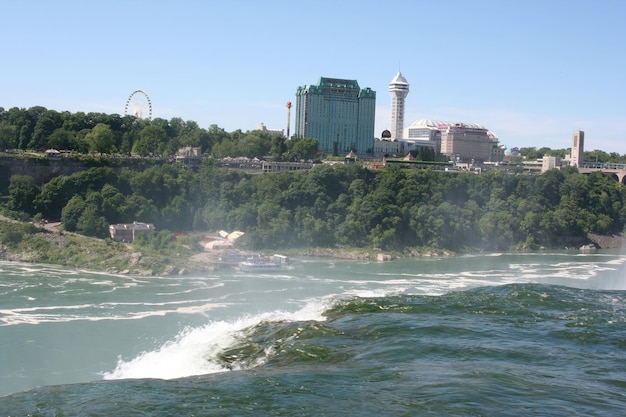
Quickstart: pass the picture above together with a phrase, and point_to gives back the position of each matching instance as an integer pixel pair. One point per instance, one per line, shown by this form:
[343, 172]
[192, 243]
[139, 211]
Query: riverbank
[25, 242]
[49, 244]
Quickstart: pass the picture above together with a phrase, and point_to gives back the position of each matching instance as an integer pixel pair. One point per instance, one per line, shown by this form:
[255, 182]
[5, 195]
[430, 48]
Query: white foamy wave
[195, 351]
[85, 312]
[379, 293]
[191, 290]
[190, 353]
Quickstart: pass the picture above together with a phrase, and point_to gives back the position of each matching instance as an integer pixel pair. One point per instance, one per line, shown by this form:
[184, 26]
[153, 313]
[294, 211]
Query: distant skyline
[532, 72]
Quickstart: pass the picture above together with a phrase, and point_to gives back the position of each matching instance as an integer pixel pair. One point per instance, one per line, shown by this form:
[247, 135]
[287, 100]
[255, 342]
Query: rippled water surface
[499, 334]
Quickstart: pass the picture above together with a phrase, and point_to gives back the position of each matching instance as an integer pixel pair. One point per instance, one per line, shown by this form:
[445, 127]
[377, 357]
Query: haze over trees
[328, 206]
[340, 205]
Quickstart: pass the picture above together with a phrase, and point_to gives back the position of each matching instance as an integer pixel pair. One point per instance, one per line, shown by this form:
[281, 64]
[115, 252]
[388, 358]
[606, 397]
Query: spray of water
[195, 351]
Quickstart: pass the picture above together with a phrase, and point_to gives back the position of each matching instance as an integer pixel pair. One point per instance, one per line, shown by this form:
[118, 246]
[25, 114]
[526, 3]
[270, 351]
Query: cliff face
[41, 169]
[605, 242]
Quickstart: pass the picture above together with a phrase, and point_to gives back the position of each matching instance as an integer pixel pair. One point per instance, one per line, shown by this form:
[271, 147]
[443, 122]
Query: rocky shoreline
[82, 252]
[607, 241]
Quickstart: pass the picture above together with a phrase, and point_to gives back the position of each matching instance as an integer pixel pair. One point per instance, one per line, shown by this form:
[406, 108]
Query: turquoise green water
[493, 335]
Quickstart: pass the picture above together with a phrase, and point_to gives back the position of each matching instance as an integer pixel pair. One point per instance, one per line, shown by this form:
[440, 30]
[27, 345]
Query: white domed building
[460, 141]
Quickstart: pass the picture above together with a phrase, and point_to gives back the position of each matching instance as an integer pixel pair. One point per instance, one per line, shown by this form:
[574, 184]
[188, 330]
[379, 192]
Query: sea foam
[195, 350]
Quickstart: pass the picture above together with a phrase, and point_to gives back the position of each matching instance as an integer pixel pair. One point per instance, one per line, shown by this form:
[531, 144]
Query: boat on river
[260, 264]
[256, 266]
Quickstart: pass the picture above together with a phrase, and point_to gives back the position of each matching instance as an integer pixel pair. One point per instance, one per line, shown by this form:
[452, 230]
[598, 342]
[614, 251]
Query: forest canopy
[335, 205]
[39, 129]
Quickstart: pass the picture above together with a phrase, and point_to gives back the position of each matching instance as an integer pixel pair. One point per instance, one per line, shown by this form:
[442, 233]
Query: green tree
[278, 147]
[47, 122]
[254, 144]
[92, 223]
[101, 139]
[26, 120]
[197, 138]
[152, 141]
[302, 148]
[66, 140]
[596, 156]
[224, 149]
[71, 213]
[112, 202]
[22, 194]
[59, 190]
[8, 136]
[139, 208]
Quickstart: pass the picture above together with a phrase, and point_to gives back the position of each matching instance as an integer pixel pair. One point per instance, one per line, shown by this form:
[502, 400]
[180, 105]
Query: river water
[504, 334]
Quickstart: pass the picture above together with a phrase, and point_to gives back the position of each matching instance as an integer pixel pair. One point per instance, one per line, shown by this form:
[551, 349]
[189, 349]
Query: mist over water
[410, 332]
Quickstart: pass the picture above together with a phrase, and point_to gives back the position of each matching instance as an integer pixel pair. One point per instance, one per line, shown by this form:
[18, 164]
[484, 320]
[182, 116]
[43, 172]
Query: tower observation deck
[399, 89]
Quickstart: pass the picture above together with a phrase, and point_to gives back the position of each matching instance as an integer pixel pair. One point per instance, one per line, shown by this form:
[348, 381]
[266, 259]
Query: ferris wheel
[138, 105]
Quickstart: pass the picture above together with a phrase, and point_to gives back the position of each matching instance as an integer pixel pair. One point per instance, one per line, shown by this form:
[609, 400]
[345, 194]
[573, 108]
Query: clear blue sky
[531, 71]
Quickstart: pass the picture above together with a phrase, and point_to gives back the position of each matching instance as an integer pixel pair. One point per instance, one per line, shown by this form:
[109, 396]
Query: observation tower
[399, 89]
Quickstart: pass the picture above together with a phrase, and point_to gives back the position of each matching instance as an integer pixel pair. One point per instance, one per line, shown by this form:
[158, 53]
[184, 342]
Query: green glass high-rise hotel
[339, 114]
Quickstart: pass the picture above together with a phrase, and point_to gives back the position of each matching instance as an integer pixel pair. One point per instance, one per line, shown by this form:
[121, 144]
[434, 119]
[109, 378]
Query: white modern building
[399, 89]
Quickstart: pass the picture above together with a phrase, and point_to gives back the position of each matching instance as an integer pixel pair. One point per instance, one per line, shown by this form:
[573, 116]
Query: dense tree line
[599, 156]
[39, 129]
[336, 205]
